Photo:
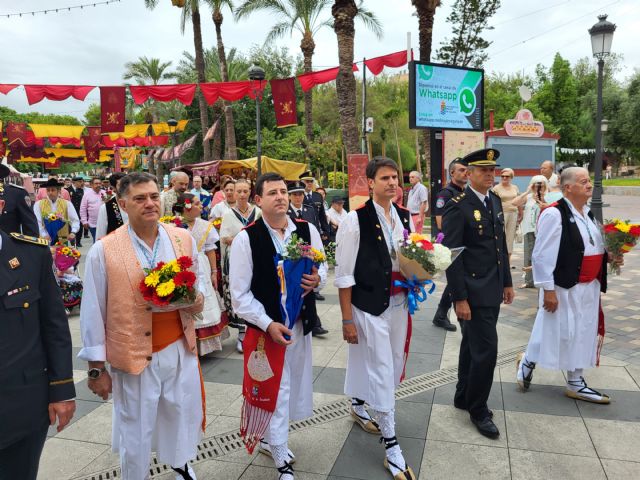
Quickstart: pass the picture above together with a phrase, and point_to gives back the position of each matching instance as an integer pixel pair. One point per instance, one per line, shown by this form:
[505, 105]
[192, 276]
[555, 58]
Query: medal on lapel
[476, 215]
[14, 263]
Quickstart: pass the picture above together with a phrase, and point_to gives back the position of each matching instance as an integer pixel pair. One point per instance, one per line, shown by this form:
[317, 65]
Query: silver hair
[419, 175]
[568, 175]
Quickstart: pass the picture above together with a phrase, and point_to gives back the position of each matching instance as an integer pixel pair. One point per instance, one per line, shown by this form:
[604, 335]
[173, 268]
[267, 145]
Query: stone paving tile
[619, 470]
[426, 344]
[254, 472]
[614, 439]
[420, 363]
[330, 380]
[362, 456]
[423, 397]
[444, 396]
[624, 406]
[219, 396]
[532, 465]
[224, 370]
[549, 433]
[544, 399]
[94, 427]
[474, 462]
[83, 407]
[541, 376]
[62, 458]
[412, 419]
[449, 424]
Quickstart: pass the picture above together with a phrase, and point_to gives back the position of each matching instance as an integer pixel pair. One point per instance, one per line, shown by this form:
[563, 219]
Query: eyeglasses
[505, 176]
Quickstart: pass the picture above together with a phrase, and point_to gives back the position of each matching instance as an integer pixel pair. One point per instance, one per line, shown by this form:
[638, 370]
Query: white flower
[419, 244]
[441, 257]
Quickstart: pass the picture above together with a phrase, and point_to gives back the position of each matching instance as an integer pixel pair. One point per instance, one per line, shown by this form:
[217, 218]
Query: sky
[91, 46]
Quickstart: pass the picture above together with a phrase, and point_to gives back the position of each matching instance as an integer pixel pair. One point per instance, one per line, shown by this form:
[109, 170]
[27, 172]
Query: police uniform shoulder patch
[458, 198]
[28, 239]
[440, 202]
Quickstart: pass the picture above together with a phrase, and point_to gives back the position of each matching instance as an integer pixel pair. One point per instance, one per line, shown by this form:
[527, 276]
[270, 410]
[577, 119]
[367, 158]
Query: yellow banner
[289, 170]
[131, 131]
[67, 131]
[164, 128]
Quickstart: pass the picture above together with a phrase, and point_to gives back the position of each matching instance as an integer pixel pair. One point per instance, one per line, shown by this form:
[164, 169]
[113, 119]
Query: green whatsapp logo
[467, 101]
[425, 72]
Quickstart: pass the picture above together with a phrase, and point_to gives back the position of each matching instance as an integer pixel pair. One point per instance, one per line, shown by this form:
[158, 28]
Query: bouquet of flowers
[620, 237]
[170, 283]
[66, 257]
[297, 259]
[330, 253]
[174, 220]
[53, 223]
[106, 195]
[421, 260]
[217, 223]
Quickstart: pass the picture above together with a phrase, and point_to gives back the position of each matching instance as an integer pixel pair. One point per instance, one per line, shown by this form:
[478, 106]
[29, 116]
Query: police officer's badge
[27, 200]
[477, 215]
[440, 203]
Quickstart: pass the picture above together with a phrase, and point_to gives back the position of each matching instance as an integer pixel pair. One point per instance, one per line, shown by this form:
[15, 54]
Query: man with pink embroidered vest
[154, 374]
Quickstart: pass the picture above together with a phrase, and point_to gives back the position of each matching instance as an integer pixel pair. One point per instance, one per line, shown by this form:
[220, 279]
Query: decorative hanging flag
[7, 87]
[231, 91]
[36, 93]
[16, 134]
[394, 60]
[68, 131]
[92, 139]
[112, 101]
[311, 79]
[163, 93]
[284, 102]
[212, 131]
[92, 154]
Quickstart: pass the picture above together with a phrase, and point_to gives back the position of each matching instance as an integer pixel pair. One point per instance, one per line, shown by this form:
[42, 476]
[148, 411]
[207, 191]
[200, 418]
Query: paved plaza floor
[544, 435]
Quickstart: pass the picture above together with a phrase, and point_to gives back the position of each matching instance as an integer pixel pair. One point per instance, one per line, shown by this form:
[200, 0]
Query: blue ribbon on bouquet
[416, 292]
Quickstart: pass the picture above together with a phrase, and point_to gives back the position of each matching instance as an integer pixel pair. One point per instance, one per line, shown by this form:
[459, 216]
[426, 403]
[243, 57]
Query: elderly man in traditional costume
[277, 383]
[179, 183]
[375, 320]
[53, 203]
[154, 374]
[570, 269]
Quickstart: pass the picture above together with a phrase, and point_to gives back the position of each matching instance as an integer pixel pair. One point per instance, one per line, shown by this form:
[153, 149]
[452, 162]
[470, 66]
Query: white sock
[575, 376]
[359, 409]
[280, 454]
[386, 422]
[241, 336]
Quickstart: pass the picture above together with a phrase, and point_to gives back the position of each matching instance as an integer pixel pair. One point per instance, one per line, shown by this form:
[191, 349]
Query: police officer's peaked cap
[481, 158]
[4, 170]
[296, 187]
[308, 175]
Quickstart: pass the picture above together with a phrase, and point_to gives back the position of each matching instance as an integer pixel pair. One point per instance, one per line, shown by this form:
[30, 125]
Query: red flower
[426, 245]
[185, 262]
[159, 266]
[635, 230]
[161, 301]
[147, 292]
[184, 279]
[610, 228]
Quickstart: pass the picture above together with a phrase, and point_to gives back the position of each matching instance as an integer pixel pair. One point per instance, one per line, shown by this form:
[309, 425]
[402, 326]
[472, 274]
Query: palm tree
[426, 11]
[191, 11]
[236, 65]
[230, 133]
[147, 70]
[306, 17]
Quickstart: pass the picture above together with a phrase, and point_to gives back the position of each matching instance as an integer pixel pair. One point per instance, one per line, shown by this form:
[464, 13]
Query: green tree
[93, 115]
[147, 70]
[468, 19]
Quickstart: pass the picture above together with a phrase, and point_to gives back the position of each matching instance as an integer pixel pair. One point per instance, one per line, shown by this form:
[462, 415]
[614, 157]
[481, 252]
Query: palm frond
[279, 30]
[274, 6]
[370, 20]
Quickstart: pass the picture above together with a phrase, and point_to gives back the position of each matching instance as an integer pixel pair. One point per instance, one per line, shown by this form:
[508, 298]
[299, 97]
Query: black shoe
[486, 427]
[319, 331]
[443, 322]
[319, 297]
[464, 407]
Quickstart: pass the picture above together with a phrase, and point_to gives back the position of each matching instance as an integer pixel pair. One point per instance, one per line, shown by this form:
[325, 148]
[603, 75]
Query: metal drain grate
[230, 442]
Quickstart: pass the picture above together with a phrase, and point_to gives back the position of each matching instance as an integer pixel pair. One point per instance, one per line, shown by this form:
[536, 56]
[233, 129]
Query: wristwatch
[94, 373]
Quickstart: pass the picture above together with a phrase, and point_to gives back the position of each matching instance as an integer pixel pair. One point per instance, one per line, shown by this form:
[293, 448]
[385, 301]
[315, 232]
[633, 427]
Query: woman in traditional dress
[238, 217]
[210, 330]
[223, 207]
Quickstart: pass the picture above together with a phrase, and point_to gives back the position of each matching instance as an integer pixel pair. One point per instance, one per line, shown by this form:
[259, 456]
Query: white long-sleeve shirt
[545, 251]
[103, 223]
[244, 303]
[93, 310]
[74, 220]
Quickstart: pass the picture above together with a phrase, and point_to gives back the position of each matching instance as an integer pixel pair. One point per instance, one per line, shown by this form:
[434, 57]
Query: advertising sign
[445, 97]
[524, 125]
[458, 144]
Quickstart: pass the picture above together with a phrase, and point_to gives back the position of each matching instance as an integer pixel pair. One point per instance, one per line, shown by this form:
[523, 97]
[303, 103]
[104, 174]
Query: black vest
[371, 293]
[114, 217]
[264, 282]
[571, 251]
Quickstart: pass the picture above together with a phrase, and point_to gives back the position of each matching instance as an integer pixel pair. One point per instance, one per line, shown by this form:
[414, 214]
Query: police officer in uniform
[458, 176]
[36, 376]
[298, 210]
[479, 281]
[17, 208]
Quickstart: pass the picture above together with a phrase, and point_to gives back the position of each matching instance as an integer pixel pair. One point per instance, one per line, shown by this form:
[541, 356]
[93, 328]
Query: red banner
[112, 101]
[92, 139]
[358, 185]
[36, 93]
[7, 87]
[231, 91]
[17, 133]
[92, 154]
[394, 60]
[311, 79]
[164, 93]
[284, 102]
[74, 142]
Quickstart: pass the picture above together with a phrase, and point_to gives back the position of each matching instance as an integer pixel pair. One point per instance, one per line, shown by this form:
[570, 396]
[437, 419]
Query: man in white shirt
[570, 268]
[418, 200]
[546, 169]
[335, 215]
[54, 204]
[277, 357]
[203, 196]
[179, 182]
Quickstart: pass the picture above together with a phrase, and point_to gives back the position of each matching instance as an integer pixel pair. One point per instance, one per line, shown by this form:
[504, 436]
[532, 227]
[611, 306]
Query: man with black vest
[299, 211]
[255, 295]
[76, 191]
[110, 215]
[570, 266]
[374, 313]
[479, 281]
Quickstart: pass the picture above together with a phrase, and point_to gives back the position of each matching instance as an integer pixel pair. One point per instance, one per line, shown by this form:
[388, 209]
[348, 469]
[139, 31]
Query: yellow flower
[318, 256]
[152, 279]
[165, 289]
[623, 227]
[416, 237]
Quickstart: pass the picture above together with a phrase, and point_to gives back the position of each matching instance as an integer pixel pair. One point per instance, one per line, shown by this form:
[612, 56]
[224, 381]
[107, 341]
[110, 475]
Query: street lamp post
[173, 123]
[601, 38]
[257, 74]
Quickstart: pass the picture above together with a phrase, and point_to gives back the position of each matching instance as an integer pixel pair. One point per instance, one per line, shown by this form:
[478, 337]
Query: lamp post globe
[601, 38]
[257, 74]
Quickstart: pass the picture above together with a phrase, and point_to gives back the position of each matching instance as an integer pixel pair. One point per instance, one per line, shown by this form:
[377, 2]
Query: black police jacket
[318, 204]
[35, 343]
[480, 274]
[17, 211]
